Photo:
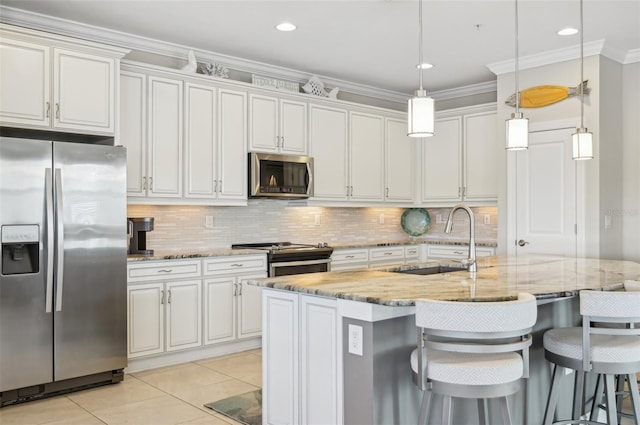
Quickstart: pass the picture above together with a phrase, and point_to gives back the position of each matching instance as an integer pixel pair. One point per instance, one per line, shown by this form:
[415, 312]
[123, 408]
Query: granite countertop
[497, 279]
[465, 242]
[168, 255]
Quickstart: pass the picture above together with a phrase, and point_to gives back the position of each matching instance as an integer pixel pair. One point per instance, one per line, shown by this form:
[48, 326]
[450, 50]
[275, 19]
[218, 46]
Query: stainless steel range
[286, 258]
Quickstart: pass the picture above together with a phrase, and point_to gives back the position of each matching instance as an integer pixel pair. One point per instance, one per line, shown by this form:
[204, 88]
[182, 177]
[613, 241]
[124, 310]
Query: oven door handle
[273, 266]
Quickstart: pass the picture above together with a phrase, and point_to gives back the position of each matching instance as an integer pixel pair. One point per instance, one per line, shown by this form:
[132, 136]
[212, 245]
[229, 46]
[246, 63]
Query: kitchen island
[336, 345]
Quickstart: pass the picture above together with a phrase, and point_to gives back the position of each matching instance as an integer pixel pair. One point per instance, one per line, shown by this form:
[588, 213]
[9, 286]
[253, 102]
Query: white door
[76, 78]
[220, 309]
[165, 137]
[545, 193]
[250, 307]
[133, 129]
[24, 83]
[263, 123]
[400, 162]
[146, 319]
[293, 127]
[200, 142]
[367, 157]
[441, 164]
[232, 140]
[328, 147]
[184, 317]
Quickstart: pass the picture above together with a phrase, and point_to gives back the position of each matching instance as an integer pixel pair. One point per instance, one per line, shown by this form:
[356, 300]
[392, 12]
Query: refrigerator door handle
[59, 239]
[48, 184]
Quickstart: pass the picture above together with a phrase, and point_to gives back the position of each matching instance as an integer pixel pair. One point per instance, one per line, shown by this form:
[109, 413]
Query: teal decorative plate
[415, 221]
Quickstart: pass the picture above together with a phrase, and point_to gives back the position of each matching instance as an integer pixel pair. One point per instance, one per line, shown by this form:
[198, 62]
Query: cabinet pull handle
[237, 265]
[215, 186]
[459, 190]
[351, 256]
[48, 109]
[282, 142]
[387, 192]
[220, 186]
[458, 252]
[240, 288]
[169, 297]
[150, 183]
[464, 191]
[165, 271]
[347, 190]
[57, 111]
[144, 183]
[388, 253]
[161, 297]
[235, 289]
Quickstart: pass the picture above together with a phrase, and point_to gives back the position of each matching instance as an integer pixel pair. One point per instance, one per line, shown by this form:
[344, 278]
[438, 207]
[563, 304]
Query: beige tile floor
[166, 396]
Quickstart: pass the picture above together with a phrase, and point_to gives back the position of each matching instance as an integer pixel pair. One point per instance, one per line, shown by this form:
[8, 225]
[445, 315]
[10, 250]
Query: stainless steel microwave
[280, 176]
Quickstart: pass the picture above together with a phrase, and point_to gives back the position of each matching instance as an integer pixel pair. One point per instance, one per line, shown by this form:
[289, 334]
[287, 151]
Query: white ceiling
[374, 43]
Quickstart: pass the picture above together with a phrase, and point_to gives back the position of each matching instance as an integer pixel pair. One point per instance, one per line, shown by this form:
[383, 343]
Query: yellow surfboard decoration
[539, 96]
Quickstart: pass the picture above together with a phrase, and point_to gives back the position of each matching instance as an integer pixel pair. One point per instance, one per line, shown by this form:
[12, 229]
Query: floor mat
[245, 408]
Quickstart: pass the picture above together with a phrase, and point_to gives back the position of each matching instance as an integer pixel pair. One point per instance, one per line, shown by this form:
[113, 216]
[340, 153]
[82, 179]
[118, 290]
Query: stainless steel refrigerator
[63, 305]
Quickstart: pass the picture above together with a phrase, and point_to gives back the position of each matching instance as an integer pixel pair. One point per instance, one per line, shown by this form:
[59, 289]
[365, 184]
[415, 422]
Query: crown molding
[633, 56]
[470, 90]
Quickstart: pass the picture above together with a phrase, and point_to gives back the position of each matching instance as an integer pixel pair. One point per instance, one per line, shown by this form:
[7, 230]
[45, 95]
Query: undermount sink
[431, 270]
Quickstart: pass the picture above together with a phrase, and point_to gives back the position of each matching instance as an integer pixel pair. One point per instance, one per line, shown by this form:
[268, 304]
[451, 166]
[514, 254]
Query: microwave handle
[309, 179]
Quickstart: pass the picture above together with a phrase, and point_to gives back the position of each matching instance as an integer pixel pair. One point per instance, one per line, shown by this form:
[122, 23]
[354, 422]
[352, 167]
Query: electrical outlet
[355, 339]
[607, 221]
[439, 219]
[316, 219]
[487, 219]
[381, 218]
[208, 221]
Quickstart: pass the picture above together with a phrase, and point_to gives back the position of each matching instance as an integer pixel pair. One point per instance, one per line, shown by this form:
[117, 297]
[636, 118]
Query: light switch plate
[355, 340]
[208, 221]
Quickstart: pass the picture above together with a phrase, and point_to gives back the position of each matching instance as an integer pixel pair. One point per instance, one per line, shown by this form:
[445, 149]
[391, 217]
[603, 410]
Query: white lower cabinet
[445, 252]
[362, 258]
[302, 333]
[164, 316]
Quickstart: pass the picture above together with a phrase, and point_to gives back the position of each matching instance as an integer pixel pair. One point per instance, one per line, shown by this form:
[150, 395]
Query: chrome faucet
[472, 234]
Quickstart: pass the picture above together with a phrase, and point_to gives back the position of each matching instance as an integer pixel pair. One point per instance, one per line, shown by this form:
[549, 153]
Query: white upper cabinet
[232, 136]
[399, 162]
[328, 147]
[133, 129]
[459, 162]
[165, 137]
[366, 157]
[277, 125]
[57, 83]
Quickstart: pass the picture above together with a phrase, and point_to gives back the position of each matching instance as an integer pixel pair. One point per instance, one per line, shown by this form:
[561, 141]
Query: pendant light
[421, 107]
[582, 139]
[518, 125]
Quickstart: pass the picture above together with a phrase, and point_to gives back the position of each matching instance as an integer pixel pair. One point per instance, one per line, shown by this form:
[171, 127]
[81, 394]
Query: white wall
[630, 213]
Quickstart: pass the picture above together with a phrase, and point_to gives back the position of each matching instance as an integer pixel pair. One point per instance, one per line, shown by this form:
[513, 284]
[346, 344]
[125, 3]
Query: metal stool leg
[504, 409]
[578, 395]
[597, 398]
[482, 412]
[446, 410]
[635, 397]
[610, 392]
[554, 392]
[425, 407]
[619, 393]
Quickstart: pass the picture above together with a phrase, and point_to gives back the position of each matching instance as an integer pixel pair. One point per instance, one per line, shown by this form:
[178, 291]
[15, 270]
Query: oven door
[287, 268]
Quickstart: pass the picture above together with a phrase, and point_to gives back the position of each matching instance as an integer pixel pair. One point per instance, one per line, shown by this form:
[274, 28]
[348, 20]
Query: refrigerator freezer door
[90, 316]
[26, 328]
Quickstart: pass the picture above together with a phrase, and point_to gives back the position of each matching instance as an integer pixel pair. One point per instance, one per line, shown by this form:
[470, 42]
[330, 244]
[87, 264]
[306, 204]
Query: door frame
[580, 189]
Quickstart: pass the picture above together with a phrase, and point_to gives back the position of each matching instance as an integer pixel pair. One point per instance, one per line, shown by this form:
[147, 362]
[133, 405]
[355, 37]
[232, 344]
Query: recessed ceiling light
[567, 31]
[285, 26]
[424, 66]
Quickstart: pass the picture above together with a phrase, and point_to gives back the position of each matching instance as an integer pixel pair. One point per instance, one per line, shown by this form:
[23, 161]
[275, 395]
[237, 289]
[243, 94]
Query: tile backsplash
[182, 228]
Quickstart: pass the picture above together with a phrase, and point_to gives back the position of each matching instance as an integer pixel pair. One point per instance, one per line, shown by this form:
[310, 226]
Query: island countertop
[497, 278]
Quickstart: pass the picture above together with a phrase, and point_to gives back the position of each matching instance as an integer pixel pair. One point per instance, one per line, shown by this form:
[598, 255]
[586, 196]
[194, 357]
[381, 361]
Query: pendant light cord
[420, 41]
[581, 67]
[517, 66]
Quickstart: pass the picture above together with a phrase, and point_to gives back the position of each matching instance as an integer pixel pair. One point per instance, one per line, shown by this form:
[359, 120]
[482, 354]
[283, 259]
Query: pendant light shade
[421, 115]
[582, 144]
[582, 139]
[420, 110]
[518, 125]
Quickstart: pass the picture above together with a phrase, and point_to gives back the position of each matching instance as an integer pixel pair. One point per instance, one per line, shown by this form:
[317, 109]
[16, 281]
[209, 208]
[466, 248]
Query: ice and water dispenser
[20, 249]
[138, 228]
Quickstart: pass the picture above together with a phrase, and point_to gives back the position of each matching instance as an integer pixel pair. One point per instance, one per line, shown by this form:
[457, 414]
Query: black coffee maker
[137, 232]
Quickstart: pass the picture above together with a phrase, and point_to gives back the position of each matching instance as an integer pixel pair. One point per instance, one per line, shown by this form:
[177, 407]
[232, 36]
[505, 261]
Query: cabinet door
[280, 357]
[481, 157]
[263, 123]
[133, 129]
[200, 142]
[145, 319]
[184, 315]
[400, 162]
[165, 137]
[328, 147]
[320, 342]
[250, 307]
[24, 83]
[441, 165]
[220, 309]
[76, 78]
[367, 157]
[232, 138]
[293, 127]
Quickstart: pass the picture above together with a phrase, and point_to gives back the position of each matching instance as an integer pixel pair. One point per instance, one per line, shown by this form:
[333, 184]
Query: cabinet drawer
[443, 251]
[235, 264]
[386, 254]
[411, 252]
[349, 256]
[162, 270]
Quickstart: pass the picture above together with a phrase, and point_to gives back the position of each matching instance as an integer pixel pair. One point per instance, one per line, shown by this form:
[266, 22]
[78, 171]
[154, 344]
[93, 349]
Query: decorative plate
[415, 221]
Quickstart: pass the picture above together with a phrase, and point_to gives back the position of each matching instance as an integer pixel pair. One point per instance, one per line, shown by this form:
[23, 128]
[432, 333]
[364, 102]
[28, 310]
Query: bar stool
[606, 351]
[471, 350]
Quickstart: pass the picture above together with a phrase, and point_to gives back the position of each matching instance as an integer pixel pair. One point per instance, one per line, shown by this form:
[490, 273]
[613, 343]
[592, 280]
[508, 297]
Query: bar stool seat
[567, 342]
